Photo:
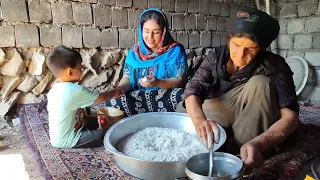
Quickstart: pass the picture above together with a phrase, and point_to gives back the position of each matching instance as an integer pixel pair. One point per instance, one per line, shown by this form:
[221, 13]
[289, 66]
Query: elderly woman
[155, 69]
[246, 88]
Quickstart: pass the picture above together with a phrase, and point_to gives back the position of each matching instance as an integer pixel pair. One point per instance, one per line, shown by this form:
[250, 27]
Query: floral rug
[304, 147]
[94, 163]
[97, 163]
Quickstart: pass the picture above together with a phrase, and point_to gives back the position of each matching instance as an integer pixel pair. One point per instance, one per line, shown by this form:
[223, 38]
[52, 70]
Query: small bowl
[225, 167]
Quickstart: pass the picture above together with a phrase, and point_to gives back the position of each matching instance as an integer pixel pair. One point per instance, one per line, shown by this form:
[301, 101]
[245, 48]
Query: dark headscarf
[255, 22]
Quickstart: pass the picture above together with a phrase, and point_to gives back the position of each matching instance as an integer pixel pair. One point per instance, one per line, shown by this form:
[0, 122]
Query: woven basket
[113, 114]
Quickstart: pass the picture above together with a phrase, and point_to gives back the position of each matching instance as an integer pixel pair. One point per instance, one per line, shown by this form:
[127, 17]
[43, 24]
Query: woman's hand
[206, 129]
[149, 81]
[80, 123]
[251, 154]
[117, 92]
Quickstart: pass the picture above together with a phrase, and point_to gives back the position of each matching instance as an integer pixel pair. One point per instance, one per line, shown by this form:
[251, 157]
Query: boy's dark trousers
[91, 136]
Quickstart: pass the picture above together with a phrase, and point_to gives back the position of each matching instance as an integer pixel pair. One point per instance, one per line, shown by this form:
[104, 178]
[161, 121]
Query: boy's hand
[78, 125]
[117, 92]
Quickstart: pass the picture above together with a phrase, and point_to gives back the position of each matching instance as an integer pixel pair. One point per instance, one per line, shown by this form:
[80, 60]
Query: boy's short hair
[61, 58]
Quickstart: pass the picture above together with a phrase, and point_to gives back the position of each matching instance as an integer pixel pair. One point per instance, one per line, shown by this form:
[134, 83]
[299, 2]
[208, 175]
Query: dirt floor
[13, 138]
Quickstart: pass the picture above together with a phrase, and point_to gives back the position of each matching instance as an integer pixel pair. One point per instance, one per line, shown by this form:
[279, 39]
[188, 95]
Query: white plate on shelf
[300, 70]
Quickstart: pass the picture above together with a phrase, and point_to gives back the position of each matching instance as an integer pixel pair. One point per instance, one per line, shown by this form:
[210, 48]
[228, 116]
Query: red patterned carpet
[96, 163]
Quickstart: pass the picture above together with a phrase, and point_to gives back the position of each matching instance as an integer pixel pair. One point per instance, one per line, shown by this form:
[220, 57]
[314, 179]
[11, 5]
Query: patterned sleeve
[126, 71]
[127, 68]
[201, 83]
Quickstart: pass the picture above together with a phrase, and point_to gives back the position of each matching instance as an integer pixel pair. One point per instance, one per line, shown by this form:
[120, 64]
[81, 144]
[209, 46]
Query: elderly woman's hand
[149, 81]
[205, 129]
[251, 154]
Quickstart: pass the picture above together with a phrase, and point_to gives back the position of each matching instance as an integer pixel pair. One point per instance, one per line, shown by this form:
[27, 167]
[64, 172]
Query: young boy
[65, 100]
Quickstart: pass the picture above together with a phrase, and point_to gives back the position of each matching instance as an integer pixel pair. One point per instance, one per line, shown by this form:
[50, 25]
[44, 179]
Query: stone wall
[300, 36]
[102, 30]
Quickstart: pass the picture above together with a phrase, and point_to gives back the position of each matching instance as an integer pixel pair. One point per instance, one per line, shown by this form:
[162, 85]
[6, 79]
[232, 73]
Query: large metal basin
[151, 169]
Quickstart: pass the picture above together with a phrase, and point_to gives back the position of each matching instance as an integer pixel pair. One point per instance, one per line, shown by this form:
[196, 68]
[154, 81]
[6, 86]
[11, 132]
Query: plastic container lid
[300, 70]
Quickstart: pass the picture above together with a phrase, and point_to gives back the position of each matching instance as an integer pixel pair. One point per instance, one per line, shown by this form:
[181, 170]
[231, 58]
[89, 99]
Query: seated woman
[246, 88]
[155, 69]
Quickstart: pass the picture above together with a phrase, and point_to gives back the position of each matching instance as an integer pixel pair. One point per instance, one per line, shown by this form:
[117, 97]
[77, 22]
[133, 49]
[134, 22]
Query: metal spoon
[210, 161]
[210, 143]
